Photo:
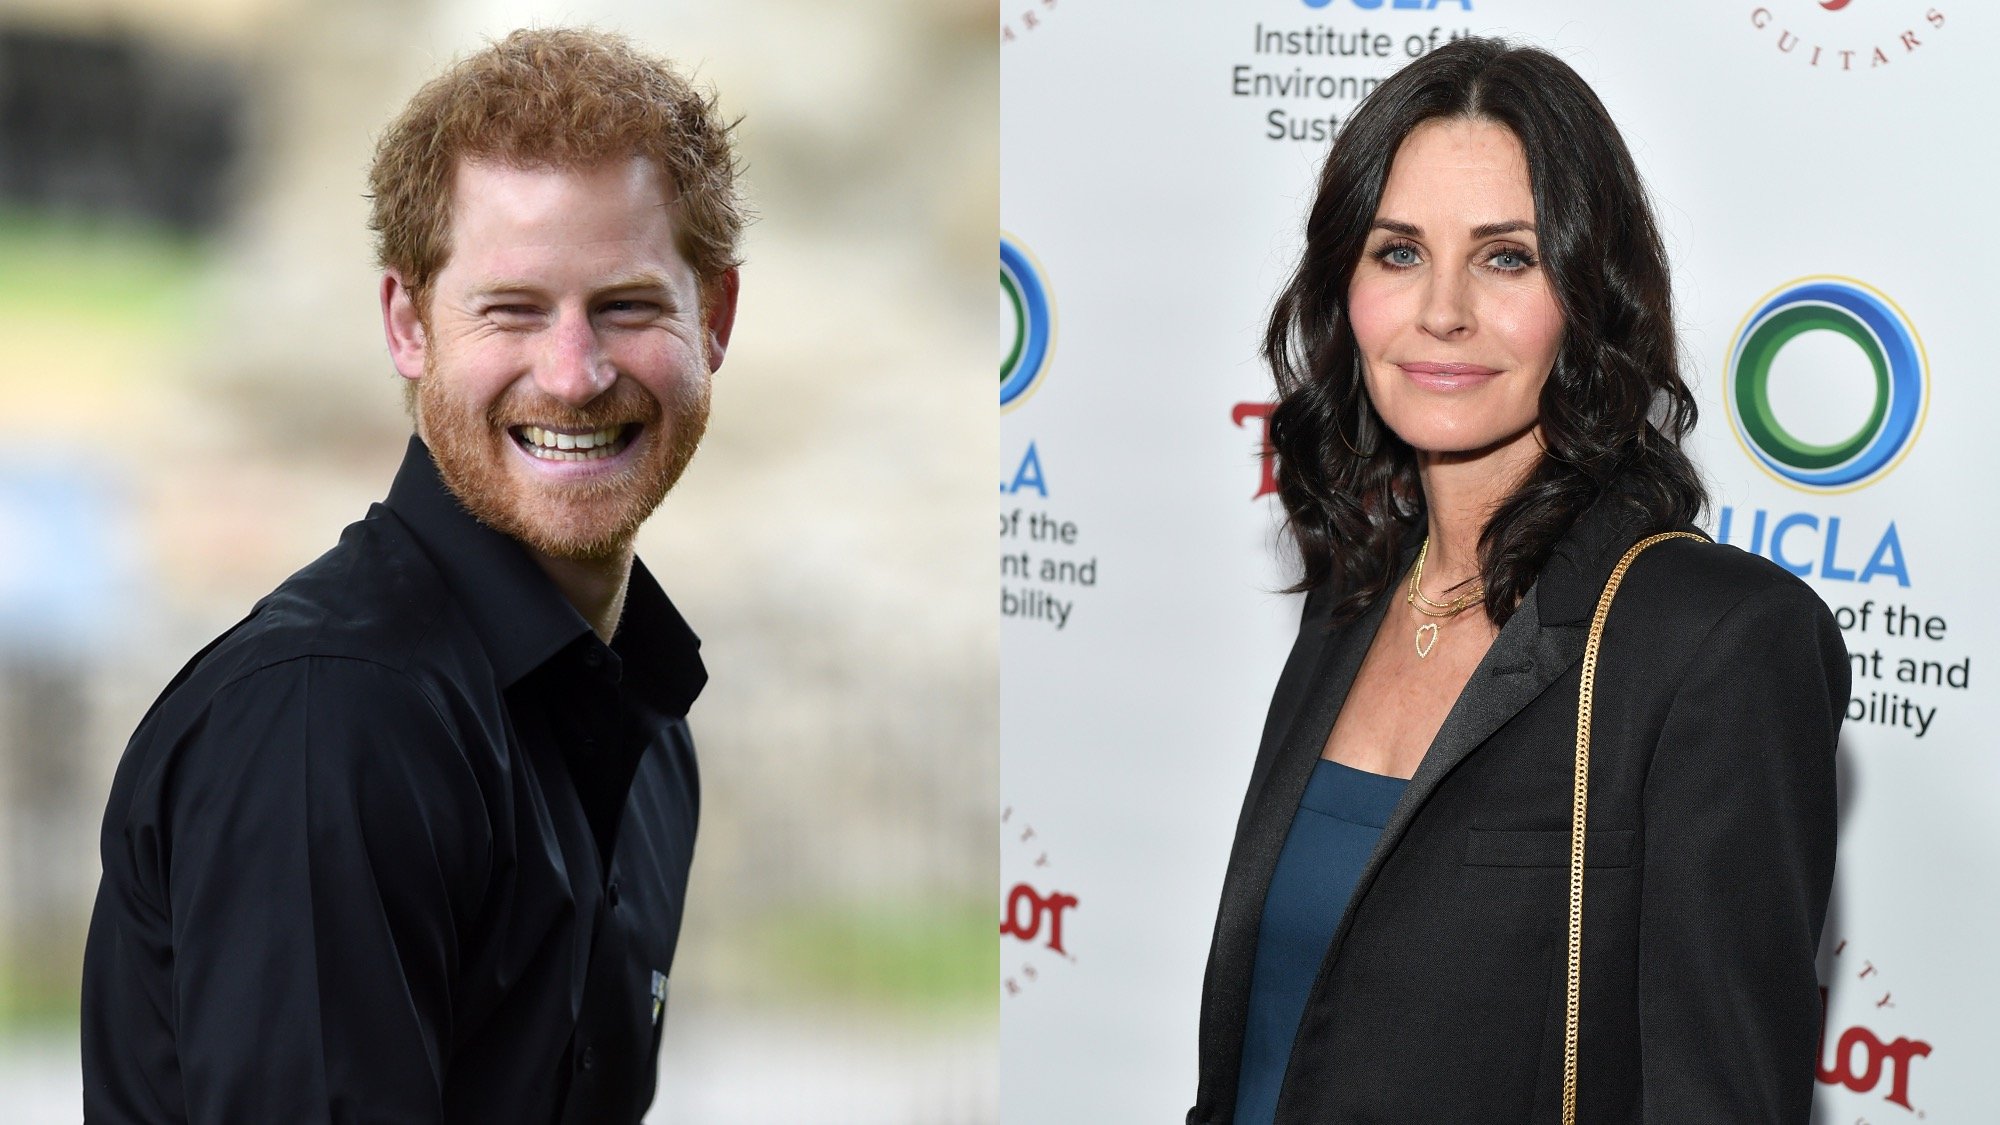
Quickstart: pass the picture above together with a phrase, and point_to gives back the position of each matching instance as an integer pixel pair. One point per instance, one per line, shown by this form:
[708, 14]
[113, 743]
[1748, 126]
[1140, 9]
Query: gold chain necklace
[1427, 633]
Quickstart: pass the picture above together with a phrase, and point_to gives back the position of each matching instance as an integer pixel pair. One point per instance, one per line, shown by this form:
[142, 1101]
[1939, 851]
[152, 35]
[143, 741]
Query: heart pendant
[1426, 643]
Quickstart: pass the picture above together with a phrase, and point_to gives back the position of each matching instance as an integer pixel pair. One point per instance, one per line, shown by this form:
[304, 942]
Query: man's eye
[631, 309]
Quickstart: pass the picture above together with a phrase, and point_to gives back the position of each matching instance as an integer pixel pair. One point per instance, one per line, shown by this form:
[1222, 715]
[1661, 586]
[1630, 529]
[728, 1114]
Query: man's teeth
[552, 446]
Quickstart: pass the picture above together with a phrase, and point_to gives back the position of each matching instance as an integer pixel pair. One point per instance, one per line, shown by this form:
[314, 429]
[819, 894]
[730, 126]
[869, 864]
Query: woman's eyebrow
[1486, 230]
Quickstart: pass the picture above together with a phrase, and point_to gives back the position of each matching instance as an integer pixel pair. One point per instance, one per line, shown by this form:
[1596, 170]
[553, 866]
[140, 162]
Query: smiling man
[409, 843]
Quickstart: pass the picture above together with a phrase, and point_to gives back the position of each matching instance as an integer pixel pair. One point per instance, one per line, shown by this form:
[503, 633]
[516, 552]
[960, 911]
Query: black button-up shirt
[407, 844]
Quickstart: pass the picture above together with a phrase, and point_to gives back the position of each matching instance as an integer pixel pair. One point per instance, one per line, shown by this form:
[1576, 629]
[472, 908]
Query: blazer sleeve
[1740, 818]
[326, 840]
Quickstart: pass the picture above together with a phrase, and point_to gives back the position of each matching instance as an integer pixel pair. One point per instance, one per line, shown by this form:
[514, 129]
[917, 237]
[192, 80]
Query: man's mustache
[623, 403]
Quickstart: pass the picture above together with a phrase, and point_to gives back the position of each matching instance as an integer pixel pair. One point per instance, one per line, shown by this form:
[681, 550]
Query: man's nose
[574, 367]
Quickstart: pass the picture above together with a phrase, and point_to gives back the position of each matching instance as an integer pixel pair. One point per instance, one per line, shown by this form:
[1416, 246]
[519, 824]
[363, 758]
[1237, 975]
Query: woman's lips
[1447, 369]
[1447, 376]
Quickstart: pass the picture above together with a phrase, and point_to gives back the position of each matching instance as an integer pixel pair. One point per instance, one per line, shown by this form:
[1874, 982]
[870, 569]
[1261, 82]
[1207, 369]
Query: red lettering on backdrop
[1833, 5]
[1841, 1071]
[1267, 481]
[1038, 905]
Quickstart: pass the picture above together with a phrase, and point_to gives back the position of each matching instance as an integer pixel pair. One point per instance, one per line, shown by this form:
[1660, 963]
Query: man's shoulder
[373, 609]
[374, 597]
[363, 652]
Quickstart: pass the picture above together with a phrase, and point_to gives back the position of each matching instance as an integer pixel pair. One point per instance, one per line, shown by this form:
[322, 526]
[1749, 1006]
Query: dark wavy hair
[1615, 408]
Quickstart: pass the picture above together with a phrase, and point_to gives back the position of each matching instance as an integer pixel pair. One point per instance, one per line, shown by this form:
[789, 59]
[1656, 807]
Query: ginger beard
[585, 520]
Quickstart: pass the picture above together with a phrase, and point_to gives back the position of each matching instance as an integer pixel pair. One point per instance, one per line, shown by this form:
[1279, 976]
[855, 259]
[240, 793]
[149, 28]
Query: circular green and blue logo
[1827, 384]
[1027, 323]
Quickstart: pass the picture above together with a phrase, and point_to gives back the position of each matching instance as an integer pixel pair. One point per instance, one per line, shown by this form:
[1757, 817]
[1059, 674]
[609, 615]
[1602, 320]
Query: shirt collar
[521, 618]
[661, 655]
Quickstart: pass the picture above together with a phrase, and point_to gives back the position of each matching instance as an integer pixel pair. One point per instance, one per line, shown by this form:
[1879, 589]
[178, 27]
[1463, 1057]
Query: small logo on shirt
[659, 995]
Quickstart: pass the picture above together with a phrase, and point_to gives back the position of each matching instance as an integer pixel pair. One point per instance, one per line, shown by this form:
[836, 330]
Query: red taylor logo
[1861, 1060]
[1842, 35]
[1033, 908]
[1027, 908]
[1267, 458]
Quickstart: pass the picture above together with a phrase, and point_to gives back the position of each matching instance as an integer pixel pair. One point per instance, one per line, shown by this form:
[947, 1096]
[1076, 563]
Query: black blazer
[1720, 690]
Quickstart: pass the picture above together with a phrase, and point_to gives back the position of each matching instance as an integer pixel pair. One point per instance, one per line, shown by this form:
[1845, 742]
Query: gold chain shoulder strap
[1580, 800]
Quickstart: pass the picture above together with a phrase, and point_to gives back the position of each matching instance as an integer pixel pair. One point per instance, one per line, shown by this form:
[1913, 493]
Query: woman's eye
[1399, 256]
[1511, 260]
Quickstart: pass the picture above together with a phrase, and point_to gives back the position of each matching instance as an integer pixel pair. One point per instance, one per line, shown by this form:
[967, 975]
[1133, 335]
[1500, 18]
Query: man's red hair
[552, 98]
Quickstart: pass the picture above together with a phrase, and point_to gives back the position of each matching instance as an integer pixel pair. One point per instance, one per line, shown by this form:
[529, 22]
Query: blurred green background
[191, 353]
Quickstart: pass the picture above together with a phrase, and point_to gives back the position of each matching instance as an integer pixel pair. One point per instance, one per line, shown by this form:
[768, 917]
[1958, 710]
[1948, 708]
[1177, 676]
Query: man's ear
[403, 325]
[718, 314]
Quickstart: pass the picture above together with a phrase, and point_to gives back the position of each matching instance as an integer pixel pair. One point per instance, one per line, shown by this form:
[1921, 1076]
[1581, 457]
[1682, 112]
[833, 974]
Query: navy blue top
[1334, 831]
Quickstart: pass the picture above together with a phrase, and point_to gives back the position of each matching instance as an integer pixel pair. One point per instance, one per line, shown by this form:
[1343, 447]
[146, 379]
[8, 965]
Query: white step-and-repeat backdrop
[1823, 170]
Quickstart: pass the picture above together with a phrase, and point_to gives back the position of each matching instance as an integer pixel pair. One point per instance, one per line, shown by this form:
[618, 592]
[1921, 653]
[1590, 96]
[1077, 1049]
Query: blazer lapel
[1524, 660]
[1284, 766]
[1541, 641]
[1282, 771]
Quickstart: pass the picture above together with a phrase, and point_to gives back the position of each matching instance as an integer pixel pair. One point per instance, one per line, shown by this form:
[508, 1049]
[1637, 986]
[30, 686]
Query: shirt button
[592, 658]
[611, 892]
[589, 1058]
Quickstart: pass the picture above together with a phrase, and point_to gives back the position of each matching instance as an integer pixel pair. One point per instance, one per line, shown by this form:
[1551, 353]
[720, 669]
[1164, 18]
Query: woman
[1480, 411]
